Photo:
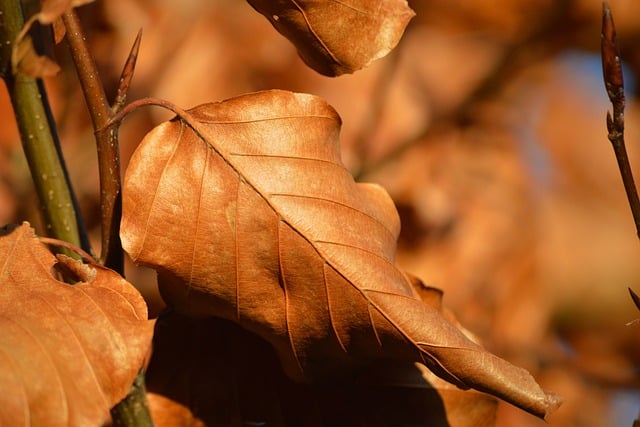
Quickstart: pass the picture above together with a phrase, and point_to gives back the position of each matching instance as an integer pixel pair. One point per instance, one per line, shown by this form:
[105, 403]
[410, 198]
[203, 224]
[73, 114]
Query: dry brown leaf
[254, 218]
[336, 37]
[25, 58]
[51, 10]
[67, 353]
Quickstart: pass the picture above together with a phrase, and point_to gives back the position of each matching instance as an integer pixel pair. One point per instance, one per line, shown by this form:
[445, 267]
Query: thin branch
[107, 143]
[133, 410]
[614, 84]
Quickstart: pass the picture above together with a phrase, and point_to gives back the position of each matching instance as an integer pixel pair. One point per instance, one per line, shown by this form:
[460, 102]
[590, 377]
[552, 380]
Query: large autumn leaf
[248, 214]
[338, 36]
[68, 353]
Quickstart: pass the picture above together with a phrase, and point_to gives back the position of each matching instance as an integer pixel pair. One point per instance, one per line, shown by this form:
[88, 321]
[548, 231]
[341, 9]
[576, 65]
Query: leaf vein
[63, 317]
[284, 157]
[349, 6]
[286, 299]
[357, 248]
[331, 321]
[318, 38]
[266, 119]
[46, 354]
[336, 202]
[197, 225]
[154, 197]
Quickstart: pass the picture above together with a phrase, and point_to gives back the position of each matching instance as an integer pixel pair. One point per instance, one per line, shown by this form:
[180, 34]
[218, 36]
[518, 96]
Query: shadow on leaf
[212, 372]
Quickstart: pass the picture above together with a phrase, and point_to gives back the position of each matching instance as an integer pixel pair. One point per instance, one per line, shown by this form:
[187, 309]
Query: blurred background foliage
[487, 127]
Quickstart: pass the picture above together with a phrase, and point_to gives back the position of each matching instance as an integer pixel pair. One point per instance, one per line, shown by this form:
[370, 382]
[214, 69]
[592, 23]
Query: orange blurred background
[486, 125]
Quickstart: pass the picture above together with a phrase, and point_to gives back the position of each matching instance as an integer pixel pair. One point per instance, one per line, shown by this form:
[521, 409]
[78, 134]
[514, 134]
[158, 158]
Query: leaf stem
[39, 138]
[129, 108]
[107, 143]
[614, 84]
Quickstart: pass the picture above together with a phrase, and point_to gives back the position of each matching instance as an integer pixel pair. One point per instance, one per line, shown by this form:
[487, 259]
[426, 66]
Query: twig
[614, 84]
[39, 137]
[133, 411]
[107, 143]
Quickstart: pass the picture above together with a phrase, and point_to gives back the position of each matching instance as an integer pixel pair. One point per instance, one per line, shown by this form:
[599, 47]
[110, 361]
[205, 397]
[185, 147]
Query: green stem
[133, 411]
[39, 141]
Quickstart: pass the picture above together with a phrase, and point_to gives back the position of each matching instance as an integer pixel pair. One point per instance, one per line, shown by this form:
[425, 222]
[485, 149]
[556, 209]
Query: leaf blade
[336, 37]
[70, 352]
[304, 234]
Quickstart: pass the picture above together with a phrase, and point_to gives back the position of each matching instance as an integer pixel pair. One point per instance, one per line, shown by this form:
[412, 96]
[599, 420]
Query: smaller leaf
[25, 58]
[337, 37]
[52, 10]
[68, 353]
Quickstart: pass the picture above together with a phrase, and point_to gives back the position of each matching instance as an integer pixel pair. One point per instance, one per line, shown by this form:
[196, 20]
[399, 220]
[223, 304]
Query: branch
[614, 84]
[107, 143]
[133, 410]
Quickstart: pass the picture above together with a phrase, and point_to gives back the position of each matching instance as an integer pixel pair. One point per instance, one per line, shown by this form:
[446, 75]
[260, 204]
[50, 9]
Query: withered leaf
[337, 37]
[51, 10]
[252, 217]
[67, 353]
[28, 61]
[25, 58]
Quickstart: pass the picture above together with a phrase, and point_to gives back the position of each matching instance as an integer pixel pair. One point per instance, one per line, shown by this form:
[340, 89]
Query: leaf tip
[610, 51]
[552, 403]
